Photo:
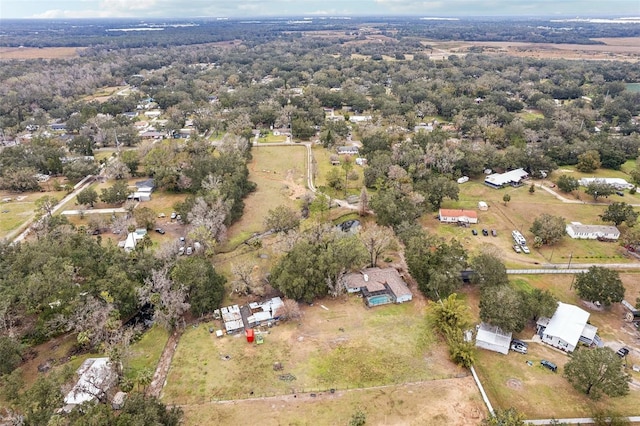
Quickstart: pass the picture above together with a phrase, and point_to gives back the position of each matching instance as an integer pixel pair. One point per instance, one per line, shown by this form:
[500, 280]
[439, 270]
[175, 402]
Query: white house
[493, 338]
[350, 150]
[592, 232]
[513, 178]
[566, 328]
[617, 183]
[457, 216]
[96, 377]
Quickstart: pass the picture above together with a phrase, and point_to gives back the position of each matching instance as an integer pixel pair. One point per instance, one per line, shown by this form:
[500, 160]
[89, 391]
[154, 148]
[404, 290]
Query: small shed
[250, 334]
[483, 206]
[493, 338]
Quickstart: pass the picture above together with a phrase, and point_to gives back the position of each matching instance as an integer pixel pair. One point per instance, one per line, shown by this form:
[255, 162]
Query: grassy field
[432, 403]
[343, 346]
[146, 352]
[519, 214]
[15, 213]
[280, 175]
[511, 382]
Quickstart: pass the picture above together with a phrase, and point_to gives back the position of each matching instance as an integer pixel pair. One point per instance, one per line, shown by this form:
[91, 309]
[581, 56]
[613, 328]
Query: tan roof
[376, 279]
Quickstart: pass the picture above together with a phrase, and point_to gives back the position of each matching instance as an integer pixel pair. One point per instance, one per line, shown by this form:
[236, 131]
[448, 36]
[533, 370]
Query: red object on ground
[250, 335]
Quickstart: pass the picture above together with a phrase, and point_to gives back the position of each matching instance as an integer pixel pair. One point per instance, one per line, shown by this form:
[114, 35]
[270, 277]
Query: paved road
[76, 190]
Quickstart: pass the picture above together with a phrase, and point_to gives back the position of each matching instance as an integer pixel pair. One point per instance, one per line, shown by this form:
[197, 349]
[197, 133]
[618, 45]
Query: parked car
[485, 232]
[519, 342]
[622, 352]
[494, 232]
[517, 248]
[526, 250]
[521, 349]
[189, 251]
[620, 193]
[548, 364]
[160, 231]
[181, 251]
[162, 215]
[173, 215]
[474, 232]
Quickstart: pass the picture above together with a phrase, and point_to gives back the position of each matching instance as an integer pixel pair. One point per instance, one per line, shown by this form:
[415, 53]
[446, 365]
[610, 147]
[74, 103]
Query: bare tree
[168, 298]
[210, 216]
[377, 239]
[364, 202]
[116, 169]
[290, 310]
[245, 281]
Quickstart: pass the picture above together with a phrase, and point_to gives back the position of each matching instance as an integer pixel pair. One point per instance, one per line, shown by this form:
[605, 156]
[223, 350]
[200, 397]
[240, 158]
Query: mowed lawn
[519, 213]
[16, 213]
[343, 346]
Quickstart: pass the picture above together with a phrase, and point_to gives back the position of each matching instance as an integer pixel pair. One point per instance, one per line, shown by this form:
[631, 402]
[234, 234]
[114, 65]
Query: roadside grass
[344, 346]
[146, 352]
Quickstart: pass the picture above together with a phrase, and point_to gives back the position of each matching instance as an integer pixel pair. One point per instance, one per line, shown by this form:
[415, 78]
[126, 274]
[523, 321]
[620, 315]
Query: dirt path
[160, 375]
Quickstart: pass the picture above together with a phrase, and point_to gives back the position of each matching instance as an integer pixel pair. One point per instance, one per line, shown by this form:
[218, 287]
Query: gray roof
[579, 228]
[376, 278]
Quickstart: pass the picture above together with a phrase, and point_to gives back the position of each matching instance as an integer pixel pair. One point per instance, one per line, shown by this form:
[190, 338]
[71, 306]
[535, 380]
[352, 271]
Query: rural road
[76, 190]
[569, 201]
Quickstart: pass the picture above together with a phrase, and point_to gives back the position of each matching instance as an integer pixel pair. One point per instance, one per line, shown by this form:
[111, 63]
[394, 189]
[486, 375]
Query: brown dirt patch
[450, 402]
[514, 384]
[8, 53]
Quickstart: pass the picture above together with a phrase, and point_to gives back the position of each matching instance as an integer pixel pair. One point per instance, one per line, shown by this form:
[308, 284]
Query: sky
[11, 9]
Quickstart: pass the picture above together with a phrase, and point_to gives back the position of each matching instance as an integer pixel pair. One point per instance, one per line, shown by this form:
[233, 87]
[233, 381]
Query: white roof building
[493, 338]
[95, 377]
[513, 178]
[617, 183]
[566, 328]
[592, 232]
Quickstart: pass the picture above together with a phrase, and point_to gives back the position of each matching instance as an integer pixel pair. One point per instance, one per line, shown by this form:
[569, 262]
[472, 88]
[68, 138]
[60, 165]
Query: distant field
[7, 53]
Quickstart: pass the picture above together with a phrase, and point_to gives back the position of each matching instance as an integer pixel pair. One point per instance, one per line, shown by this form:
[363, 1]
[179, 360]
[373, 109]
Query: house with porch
[567, 328]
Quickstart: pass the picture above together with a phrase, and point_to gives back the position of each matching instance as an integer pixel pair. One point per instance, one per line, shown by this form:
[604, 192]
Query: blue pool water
[379, 300]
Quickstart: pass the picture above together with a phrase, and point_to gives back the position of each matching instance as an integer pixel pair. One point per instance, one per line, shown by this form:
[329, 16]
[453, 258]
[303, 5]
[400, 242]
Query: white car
[517, 249]
[517, 347]
[526, 250]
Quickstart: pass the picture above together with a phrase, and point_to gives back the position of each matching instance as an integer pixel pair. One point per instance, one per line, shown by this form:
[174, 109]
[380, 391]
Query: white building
[617, 183]
[493, 338]
[566, 328]
[592, 232]
[457, 216]
[96, 377]
[513, 178]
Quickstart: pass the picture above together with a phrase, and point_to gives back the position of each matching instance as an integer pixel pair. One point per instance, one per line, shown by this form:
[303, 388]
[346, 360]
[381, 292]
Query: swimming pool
[381, 299]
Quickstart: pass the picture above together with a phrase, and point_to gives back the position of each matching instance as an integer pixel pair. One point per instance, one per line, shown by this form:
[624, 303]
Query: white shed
[493, 338]
[483, 206]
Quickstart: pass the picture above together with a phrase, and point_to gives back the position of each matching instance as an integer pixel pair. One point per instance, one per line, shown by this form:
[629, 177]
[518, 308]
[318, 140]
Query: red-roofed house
[457, 216]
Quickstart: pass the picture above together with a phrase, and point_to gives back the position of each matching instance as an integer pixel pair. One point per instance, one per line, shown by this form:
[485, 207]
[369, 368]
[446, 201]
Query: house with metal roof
[592, 232]
[512, 178]
[566, 328]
